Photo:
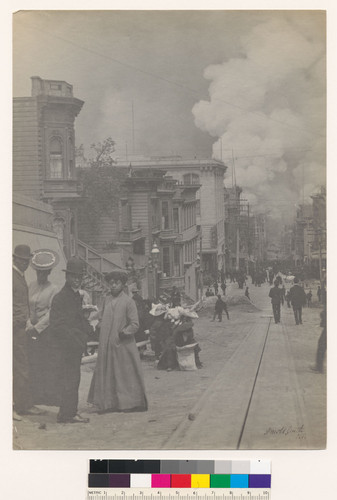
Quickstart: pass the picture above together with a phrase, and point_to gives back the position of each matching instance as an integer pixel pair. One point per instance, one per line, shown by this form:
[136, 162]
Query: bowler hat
[22, 252]
[44, 259]
[75, 266]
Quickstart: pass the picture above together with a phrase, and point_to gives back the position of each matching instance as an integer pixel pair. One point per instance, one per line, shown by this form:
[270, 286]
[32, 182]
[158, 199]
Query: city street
[254, 391]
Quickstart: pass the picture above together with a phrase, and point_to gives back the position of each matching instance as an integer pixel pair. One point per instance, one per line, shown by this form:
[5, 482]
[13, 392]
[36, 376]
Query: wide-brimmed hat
[22, 252]
[118, 275]
[44, 259]
[75, 266]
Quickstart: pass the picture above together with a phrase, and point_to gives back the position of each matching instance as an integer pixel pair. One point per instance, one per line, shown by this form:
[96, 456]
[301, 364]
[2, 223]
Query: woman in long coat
[118, 383]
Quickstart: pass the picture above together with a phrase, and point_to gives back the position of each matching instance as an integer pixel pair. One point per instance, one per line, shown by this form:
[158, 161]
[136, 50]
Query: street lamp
[154, 261]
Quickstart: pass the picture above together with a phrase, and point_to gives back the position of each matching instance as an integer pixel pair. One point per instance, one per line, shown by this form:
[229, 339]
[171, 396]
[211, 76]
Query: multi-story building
[317, 248]
[209, 176]
[158, 212]
[303, 234]
[260, 238]
[44, 153]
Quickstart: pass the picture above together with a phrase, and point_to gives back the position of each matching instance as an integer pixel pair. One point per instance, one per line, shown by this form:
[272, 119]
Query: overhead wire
[161, 78]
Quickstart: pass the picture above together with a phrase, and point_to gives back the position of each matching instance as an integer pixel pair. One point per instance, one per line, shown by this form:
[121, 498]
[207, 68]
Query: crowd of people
[51, 329]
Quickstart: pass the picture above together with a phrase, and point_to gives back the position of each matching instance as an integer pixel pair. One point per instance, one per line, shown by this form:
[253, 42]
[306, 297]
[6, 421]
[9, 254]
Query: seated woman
[184, 335]
[181, 335]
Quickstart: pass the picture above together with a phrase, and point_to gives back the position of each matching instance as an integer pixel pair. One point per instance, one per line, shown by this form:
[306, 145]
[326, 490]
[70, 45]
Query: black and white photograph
[169, 174]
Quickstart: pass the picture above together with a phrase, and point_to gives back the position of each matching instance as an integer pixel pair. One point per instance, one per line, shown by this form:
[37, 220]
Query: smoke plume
[267, 110]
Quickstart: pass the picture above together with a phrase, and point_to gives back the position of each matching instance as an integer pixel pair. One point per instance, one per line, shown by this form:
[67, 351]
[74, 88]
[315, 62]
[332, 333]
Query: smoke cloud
[267, 110]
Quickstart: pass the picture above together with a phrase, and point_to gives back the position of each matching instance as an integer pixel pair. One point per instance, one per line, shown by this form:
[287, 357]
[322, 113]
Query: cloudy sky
[244, 86]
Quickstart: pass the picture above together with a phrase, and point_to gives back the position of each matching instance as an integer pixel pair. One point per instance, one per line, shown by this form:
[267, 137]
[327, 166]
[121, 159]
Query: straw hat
[44, 259]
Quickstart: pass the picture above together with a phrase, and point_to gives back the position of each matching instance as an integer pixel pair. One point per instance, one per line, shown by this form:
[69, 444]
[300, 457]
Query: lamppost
[154, 263]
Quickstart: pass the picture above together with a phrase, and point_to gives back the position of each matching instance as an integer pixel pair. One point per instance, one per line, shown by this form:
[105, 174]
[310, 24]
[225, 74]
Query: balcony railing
[130, 235]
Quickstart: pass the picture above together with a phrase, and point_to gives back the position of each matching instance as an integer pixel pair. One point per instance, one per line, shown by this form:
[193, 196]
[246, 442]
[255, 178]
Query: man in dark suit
[276, 296]
[23, 403]
[298, 300]
[69, 329]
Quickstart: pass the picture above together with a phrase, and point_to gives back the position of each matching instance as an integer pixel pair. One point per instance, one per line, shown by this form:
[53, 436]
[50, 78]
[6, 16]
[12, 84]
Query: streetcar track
[200, 403]
[253, 388]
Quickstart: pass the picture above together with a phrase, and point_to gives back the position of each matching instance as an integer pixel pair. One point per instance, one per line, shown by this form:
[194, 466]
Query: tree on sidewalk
[101, 182]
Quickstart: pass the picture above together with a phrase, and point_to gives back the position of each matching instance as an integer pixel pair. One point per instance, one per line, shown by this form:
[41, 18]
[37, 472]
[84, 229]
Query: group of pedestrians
[50, 333]
[295, 296]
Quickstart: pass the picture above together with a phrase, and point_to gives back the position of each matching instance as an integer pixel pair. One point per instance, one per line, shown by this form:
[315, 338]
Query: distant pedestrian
[69, 330]
[216, 288]
[118, 383]
[283, 296]
[223, 287]
[309, 298]
[298, 300]
[247, 293]
[175, 297]
[275, 294]
[319, 293]
[220, 306]
[287, 297]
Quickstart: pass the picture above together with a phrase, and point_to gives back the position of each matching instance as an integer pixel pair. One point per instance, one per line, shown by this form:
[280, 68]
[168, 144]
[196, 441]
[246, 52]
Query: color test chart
[179, 479]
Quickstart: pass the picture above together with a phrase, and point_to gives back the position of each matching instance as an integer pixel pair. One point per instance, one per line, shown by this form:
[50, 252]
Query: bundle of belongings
[172, 338]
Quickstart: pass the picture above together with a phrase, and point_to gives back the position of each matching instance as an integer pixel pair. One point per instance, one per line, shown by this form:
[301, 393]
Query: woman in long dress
[117, 383]
[40, 353]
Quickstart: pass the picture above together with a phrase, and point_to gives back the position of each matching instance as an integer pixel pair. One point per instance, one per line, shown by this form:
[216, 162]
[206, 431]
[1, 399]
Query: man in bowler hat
[298, 300]
[69, 330]
[23, 403]
[276, 297]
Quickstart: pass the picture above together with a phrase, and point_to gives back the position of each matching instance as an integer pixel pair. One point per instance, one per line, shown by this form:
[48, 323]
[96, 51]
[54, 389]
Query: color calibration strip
[179, 474]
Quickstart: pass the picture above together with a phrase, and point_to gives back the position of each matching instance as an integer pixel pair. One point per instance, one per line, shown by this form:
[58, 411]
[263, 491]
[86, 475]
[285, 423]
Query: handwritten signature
[285, 430]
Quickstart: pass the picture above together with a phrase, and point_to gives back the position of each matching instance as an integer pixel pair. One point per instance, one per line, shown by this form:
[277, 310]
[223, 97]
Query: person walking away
[275, 294]
[117, 383]
[321, 346]
[22, 397]
[41, 292]
[220, 306]
[175, 297]
[309, 298]
[298, 300]
[69, 331]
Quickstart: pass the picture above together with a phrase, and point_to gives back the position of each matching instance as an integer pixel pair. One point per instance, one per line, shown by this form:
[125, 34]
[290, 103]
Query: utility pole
[248, 241]
[133, 129]
[201, 278]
